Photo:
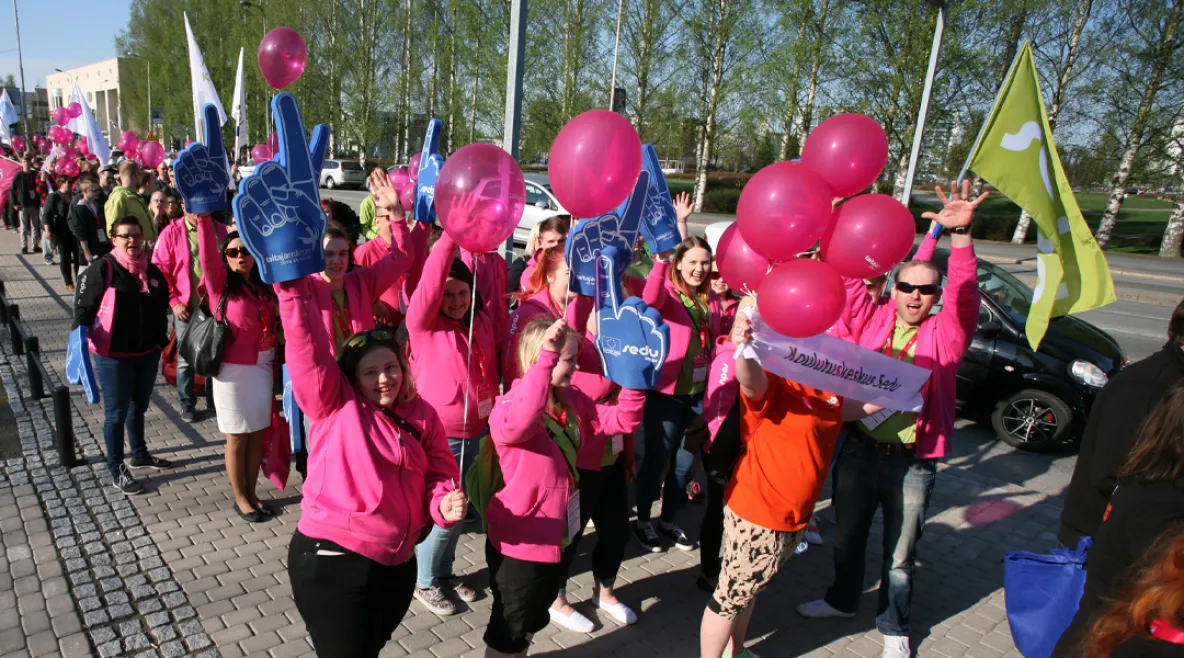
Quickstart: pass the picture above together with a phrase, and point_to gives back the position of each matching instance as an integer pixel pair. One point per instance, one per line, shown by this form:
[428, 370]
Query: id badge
[702, 363]
[573, 514]
[618, 443]
[875, 420]
[484, 408]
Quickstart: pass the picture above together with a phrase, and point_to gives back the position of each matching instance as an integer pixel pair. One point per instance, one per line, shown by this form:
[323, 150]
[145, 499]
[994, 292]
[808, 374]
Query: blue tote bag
[1042, 593]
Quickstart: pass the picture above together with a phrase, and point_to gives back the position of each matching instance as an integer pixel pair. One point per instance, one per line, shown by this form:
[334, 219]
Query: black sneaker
[36, 250]
[25, 250]
[677, 537]
[189, 414]
[647, 537]
[151, 462]
[124, 482]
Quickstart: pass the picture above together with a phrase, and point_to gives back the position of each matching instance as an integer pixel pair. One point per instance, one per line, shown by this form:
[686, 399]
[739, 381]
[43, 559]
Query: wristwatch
[961, 230]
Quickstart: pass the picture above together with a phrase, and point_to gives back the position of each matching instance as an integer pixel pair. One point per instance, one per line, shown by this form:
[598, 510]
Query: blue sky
[59, 34]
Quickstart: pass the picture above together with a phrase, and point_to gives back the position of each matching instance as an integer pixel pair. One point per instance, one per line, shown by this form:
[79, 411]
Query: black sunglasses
[235, 252]
[927, 289]
[361, 338]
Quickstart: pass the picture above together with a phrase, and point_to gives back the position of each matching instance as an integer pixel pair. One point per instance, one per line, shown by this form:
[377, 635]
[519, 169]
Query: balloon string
[469, 365]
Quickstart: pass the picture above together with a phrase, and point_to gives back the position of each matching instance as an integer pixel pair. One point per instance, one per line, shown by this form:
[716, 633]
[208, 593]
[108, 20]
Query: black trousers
[350, 603]
[68, 256]
[604, 499]
[711, 534]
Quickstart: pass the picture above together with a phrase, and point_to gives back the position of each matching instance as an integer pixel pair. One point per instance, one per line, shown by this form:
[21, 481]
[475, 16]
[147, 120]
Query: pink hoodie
[440, 353]
[527, 518]
[942, 340]
[589, 376]
[171, 255]
[243, 312]
[722, 389]
[375, 250]
[491, 278]
[660, 294]
[372, 487]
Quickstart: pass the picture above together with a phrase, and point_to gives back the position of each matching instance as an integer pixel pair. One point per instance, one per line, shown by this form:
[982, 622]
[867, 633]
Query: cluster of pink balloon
[786, 208]
[403, 181]
[62, 115]
[264, 152]
[148, 153]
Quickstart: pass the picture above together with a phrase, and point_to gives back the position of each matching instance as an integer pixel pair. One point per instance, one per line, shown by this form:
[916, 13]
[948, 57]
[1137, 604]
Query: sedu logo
[613, 347]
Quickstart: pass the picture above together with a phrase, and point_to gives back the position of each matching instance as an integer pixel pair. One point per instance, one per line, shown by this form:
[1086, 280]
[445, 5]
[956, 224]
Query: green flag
[1015, 153]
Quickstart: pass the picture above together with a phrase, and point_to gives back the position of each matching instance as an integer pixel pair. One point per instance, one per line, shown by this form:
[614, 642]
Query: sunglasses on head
[360, 339]
[927, 289]
[236, 252]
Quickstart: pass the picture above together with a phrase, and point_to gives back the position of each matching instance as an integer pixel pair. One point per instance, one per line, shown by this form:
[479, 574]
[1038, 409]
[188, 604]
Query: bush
[721, 200]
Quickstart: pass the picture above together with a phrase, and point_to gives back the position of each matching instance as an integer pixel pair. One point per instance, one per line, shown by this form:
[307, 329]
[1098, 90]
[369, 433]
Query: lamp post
[21, 61]
[923, 112]
[72, 82]
[612, 87]
[267, 104]
[149, 63]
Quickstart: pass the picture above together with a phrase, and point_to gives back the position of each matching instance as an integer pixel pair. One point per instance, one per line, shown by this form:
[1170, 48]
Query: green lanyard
[568, 440]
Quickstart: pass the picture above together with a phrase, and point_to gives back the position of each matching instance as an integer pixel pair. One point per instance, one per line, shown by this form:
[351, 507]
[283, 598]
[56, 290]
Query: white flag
[8, 113]
[203, 87]
[238, 109]
[86, 125]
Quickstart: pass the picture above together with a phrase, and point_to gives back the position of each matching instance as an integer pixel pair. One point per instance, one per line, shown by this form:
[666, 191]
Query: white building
[106, 85]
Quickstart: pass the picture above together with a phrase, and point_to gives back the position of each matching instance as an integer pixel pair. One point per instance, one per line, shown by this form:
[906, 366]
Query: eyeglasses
[235, 252]
[927, 289]
[714, 276]
[130, 237]
[361, 338]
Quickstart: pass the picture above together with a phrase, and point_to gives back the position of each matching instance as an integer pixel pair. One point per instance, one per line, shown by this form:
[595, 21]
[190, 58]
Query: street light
[266, 105]
[149, 63]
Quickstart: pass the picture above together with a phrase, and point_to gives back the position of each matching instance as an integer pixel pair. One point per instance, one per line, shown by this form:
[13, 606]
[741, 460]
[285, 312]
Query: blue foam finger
[660, 225]
[292, 414]
[430, 162]
[79, 370]
[632, 342]
[201, 172]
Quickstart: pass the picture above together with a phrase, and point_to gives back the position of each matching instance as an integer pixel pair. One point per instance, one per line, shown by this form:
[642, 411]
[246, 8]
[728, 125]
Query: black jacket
[141, 319]
[54, 214]
[1141, 514]
[85, 227]
[1113, 427]
[1141, 647]
[24, 190]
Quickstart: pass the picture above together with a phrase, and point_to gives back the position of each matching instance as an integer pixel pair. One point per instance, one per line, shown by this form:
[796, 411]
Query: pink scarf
[138, 266]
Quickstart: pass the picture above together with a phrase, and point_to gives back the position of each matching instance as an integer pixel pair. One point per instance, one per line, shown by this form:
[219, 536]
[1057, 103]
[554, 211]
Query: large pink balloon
[741, 267]
[594, 163]
[413, 167]
[61, 116]
[407, 196]
[18, 143]
[398, 177]
[868, 236]
[83, 146]
[67, 168]
[849, 151]
[61, 135]
[260, 153]
[128, 142]
[801, 298]
[151, 154]
[45, 148]
[480, 195]
[74, 109]
[783, 210]
[282, 57]
[66, 152]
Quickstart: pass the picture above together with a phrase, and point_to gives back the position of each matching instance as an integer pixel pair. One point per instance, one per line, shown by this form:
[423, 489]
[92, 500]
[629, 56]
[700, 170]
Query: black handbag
[204, 340]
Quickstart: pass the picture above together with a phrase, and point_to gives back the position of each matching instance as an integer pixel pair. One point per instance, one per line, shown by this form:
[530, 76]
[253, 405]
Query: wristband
[961, 230]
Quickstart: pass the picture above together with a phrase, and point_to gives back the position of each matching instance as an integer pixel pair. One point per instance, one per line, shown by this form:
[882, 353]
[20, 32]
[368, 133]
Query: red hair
[550, 260]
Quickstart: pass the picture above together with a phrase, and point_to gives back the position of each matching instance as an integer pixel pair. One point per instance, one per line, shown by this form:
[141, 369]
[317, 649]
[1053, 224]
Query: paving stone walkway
[86, 571]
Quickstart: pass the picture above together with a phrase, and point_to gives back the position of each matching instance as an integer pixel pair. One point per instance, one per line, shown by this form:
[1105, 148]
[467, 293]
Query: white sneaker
[619, 611]
[573, 622]
[820, 609]
[813, 537]
[897, 646]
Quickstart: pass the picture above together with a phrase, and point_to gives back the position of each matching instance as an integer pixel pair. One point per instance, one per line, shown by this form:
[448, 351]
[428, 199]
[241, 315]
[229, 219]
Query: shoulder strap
[404, 425]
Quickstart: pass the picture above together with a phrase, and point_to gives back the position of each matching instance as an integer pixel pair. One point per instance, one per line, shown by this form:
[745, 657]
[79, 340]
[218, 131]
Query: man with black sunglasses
[890, 459]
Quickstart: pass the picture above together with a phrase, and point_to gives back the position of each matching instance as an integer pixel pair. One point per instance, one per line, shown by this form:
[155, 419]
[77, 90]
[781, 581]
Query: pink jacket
[524, 280]
[491, 277]
[243, 312]
[727, 315]
[942, 340]
[367, 254]
[661, 295]
[171, 255]
[372, 487]
[440, 353]
[527, 518]
[589, 376]
[722, 389]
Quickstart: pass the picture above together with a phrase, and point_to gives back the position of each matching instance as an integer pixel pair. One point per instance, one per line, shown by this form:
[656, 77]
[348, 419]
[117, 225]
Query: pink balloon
[260, 153]
[282, 57]
[407, 196]
[595, 160]
[151, 154]
[783, 210]
[67, 168]
[74, 109]
[61, 116]
[801, 298]
[480, 196]
[741, 267]
[18, 143]
[413, 167]
[273, 143]
[62, 135]
[37, 138]
[83, 146]
[868, 236]
[398, 177]
[66, 152]
[849, 151]
[128, 142]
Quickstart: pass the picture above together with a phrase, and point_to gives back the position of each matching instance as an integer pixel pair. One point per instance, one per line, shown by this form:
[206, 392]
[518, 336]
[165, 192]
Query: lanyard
[698, 318]
[567, 437]
[341, 317]
[1162, 629]
[887, 350]
[267, 317]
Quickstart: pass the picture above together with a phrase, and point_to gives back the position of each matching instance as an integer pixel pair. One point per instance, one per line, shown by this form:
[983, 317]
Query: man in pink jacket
[890, 459]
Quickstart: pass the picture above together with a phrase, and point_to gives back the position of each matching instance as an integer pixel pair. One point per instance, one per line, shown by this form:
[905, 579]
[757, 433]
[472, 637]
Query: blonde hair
[530, 341]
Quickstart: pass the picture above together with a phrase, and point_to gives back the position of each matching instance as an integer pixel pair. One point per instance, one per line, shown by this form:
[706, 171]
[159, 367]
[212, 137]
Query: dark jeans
[865, 479]
[185, 374]
[350, 603]
[604, 499]
[664, 425]
[126, 384]
[68, 253]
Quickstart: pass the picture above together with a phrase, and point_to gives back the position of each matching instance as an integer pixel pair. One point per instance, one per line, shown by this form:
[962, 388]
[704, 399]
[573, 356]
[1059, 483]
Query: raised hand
[632, 338]
[202, 173]
[683, 206]
[278, 207]
[957, 209]
[556, 336]
[430, 162]
[385, 196]
[660, 227]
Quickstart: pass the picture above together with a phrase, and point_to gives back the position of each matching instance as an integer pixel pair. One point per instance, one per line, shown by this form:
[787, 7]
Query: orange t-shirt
[789, 438]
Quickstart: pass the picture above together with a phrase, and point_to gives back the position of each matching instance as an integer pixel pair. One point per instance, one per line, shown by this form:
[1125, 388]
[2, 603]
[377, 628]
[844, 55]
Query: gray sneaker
[434, 599]
[124, 482]
[188, 414]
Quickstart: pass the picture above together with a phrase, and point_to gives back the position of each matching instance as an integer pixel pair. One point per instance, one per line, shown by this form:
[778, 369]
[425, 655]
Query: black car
[1036, 399]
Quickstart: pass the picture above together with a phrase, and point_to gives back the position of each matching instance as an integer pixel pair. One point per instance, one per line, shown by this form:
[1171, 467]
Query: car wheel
[330, 183]
[1033, 420]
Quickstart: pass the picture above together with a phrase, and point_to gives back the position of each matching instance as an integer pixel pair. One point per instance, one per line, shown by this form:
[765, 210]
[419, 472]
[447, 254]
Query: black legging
[604, 499]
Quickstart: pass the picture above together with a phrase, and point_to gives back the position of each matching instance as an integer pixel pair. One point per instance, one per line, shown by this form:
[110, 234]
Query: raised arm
[212, 270]
[655, 295]
[753, 380]
[928, 245]
[623, 417]
[518, 413]
[420, 234]
[958, 317]
[380, 276]
[425, 303]
[320, 385]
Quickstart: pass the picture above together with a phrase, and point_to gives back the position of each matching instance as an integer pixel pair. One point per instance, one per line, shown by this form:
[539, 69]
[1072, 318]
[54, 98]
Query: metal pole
[21, 62]
[149, 63]
[516, 49]
[612, 88]
[14, 317]
[63, 427]
[919, 132]
[33, 365]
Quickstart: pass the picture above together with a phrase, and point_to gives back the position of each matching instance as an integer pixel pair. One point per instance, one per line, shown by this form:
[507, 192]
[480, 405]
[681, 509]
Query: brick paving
[86, 571]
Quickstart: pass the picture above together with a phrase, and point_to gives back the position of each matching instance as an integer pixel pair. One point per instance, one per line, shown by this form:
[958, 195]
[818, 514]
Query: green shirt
[342, 303]
[642, 263]
[700, 316]
[366, 216]
[194, 262]
[900, 427]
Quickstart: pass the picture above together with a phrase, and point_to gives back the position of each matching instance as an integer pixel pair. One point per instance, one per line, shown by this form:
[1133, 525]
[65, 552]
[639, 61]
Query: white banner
[88, 127]
[203, 87]
[238, 110]
[838, 367]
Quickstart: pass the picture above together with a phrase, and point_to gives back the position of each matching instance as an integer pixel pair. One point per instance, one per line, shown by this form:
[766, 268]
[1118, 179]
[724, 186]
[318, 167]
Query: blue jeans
[865, 479]
[126, 384]
[665, 424]
[185, 382]
[436, 553]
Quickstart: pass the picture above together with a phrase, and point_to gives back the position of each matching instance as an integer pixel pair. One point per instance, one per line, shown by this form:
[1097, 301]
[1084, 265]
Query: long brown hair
[1156, 592]
[676, 276]
[1158, 454]
[550, 260]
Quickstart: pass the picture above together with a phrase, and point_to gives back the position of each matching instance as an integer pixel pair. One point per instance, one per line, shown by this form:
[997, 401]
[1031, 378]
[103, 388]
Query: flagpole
[21, 62]
[923, 112]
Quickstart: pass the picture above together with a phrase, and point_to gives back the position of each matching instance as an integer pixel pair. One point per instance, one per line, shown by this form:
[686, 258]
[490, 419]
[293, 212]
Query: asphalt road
[1148, 288]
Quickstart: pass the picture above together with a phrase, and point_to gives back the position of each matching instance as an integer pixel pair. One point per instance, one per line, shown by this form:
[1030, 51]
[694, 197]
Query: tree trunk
[1162, 58]
[451, 143]
[791, 94]
[902, 170]
[820, 39]
[645, 53]
[719, 53]
[405, 139]
[476, 89]
[1173, 233]
[435, 59]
